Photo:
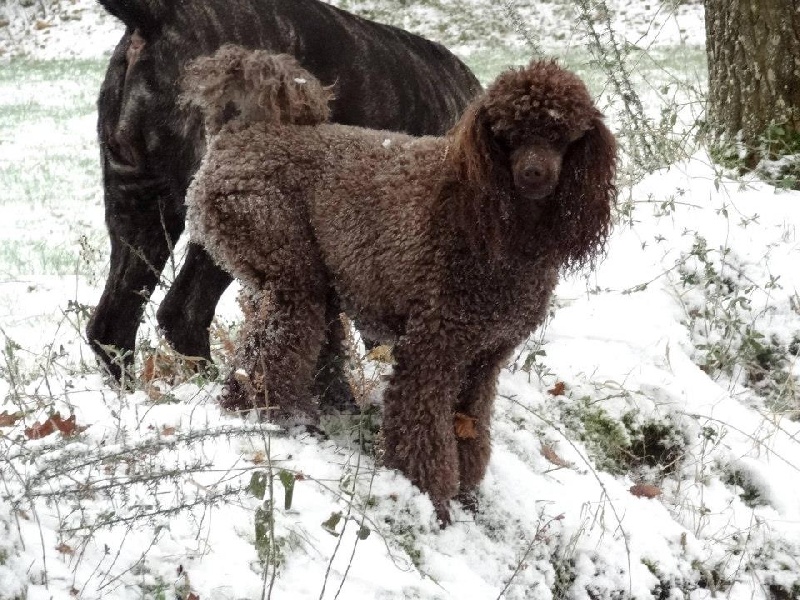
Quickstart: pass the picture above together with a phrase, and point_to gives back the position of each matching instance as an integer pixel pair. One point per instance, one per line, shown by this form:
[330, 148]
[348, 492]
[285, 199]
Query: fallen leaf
[192, 596]
[381, 354]
[149, 370]
[39, 25]
[64, 549]
[39, 430]
[645, 490]
[465, 427]
[558, 389]
[550, 454]
[167, 430]
[67, 427]
[8, 419]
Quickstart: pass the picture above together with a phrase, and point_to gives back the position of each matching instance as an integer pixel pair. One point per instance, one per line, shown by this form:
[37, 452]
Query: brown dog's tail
[253, 86]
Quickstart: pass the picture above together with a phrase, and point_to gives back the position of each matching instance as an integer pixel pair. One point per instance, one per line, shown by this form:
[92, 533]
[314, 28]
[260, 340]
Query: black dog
[383, 78]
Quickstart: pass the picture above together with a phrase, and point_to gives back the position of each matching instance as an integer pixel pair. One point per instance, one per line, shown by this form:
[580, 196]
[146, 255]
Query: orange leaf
[8, 419]
[645, 490]
[558, 389]
[550, 454]
[465, 427]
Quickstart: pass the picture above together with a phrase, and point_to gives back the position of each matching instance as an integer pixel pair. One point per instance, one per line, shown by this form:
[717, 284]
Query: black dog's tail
[144, 15]
[254, 86]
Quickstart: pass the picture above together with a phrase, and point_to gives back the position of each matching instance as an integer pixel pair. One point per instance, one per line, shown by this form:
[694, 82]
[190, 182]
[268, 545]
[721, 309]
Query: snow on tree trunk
[753, 49]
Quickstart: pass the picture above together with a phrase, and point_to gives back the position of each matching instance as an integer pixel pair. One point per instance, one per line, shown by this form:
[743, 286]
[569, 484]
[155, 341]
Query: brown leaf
[381, 354]
[149, 370]
[558, 389]
[67, 427]
[39, 25]
[645, 490]
[550, 454]
[8, 419]
[64, 549]
[192, 596]
[39, 430]
[465, 427]
[258, 458]
[166, 430]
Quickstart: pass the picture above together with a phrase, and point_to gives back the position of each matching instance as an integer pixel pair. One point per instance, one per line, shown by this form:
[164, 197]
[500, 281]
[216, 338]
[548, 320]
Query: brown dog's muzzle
[536, 170]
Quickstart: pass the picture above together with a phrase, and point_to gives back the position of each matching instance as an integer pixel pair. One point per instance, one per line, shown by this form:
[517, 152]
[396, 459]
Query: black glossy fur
[382, 77]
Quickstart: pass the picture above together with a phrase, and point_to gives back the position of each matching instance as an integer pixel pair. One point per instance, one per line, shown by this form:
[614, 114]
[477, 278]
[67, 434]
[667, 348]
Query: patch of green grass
[30, 257]
[49, 167]
[626, 444]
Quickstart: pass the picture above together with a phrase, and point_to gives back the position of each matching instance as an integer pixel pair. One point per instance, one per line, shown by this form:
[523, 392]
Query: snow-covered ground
[645, 441]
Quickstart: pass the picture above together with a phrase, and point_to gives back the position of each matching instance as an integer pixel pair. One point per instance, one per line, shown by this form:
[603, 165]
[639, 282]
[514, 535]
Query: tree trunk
[753, 49]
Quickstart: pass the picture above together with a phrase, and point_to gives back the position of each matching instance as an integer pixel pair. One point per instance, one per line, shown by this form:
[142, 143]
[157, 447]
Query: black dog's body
[383, 78]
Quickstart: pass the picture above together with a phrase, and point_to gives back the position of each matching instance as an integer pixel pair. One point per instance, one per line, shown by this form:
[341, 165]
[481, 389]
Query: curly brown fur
[449, 246]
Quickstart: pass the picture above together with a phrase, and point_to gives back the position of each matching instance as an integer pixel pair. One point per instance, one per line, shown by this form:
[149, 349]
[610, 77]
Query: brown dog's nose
[533, 175]
[536, 169]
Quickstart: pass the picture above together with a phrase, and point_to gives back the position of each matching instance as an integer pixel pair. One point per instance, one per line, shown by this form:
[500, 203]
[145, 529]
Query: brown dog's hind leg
[276, 354]
[330, 381]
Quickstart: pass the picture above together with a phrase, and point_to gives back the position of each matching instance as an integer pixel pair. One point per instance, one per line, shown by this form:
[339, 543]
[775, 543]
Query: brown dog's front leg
[475, 402]
[418, 420]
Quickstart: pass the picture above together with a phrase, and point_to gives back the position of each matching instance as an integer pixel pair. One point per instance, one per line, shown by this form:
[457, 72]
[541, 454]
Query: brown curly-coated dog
[448, 246]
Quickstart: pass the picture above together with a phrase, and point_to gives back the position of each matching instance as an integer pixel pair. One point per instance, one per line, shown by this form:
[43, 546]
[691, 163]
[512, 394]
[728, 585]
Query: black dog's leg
[188, 308]
[142, 234]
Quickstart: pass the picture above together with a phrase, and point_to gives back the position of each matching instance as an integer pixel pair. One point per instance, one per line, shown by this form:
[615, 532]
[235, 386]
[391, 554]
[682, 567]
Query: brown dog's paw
[443, 517]
[469, 500]
[240, 395]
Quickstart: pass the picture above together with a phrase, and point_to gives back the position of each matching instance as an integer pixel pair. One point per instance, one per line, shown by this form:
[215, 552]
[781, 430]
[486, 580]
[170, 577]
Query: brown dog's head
[531, 157]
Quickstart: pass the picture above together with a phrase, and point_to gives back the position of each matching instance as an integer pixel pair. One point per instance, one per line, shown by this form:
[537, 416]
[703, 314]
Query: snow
[155, 497]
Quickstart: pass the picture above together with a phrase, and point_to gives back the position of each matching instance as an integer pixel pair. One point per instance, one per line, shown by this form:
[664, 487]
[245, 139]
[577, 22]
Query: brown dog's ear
[476, 189]
[472, 148]
[585, 195]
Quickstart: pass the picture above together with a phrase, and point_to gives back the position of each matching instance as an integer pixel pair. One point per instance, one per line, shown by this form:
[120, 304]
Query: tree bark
[753, 50]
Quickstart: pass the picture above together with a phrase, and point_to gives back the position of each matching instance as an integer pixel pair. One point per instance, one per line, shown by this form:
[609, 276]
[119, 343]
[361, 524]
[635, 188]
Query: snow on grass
[673, 365]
